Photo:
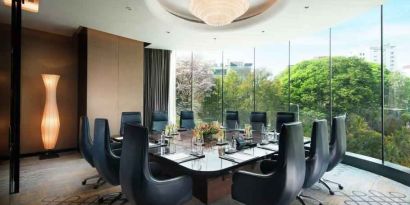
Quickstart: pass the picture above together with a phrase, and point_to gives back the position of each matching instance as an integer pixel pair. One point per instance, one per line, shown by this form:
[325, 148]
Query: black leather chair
[337, 148]
[186, 120]
[284, 117]
[232, 120]
[130, 118]
[257, 120]
[106, 161]
[136, 180]
[284, 183]
[86, 149]
[318, 156]
[159, 121]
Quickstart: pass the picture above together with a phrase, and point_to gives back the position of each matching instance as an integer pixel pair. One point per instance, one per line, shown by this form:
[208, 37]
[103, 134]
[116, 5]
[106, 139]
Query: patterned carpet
[58, 182]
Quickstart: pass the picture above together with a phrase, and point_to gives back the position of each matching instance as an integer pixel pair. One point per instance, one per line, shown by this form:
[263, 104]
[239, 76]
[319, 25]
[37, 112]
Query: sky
[348, 38]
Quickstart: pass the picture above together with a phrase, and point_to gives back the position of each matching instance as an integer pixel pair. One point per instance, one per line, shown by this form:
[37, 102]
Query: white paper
[176, 156]
[241, 156]
[273, 147]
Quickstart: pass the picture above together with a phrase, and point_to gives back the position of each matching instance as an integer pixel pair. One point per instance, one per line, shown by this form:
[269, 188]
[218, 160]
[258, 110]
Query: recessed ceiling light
[307, 6]
[128, 8]
[28, 5]
[168, 32]
[263, 31]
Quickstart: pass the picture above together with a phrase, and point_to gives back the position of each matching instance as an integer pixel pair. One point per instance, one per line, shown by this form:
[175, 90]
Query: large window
[309, 74]
[396, 62]
[333, 72]
[356, 81]
[271, 94]
[207, 86]
[238, 82]
[183, 81]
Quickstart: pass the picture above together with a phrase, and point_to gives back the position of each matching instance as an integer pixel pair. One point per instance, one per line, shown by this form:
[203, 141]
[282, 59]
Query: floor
[58, 181]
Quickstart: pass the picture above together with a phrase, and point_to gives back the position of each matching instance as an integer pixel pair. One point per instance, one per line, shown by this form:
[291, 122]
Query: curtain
[156, 82]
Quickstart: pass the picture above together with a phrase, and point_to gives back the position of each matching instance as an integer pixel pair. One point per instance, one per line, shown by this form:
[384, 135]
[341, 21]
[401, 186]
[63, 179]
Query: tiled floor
[58, 181]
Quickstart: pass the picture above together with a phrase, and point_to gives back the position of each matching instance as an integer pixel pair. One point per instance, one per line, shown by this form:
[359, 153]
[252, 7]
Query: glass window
[309, 77]
[183, 81]
[356, 81]
[238, 82]
[397, 81]
[207, 86]
[271, 80]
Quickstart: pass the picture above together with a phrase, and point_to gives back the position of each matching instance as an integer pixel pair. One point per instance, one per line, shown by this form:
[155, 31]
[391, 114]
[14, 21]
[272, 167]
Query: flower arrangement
[207, 130]
[171, 129]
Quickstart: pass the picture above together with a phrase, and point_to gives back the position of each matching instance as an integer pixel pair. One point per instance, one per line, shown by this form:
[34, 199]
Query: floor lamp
[50, 124]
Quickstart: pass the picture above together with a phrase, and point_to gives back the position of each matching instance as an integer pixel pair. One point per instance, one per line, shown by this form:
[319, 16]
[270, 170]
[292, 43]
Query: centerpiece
[210, 132]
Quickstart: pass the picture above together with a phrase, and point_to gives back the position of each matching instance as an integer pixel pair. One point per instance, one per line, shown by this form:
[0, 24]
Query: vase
[50, 124]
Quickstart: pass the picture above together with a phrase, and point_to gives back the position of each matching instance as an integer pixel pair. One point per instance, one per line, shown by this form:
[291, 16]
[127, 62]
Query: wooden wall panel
[5, 65]
[114, 77]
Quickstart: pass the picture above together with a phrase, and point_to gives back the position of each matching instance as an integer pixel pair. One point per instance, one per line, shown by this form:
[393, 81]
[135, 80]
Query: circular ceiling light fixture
[218, 12]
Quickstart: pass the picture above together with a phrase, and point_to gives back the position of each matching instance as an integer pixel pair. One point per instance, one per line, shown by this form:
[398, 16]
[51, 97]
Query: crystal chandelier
[218, 12]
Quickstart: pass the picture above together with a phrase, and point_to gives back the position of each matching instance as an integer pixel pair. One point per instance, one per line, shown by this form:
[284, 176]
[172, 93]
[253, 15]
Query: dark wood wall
[5, 65]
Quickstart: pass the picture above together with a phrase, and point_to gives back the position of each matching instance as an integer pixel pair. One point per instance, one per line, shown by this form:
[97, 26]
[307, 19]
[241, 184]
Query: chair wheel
[320, 204]
[331, 193]
[100, 200]
[83, 182]
[340, 187]
[95, 187]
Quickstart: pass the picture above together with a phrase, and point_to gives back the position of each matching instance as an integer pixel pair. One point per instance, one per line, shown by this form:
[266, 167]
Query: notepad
[272, 147]
[241, 156]
[177, 156]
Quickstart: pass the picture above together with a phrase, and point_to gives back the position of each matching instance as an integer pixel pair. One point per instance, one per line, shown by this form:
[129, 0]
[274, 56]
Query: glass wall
[207, 86]
[271, 63]
[333, 72]
[183, 72]
[309, 75]
[356, 81]
[396, 48]
[238, 82]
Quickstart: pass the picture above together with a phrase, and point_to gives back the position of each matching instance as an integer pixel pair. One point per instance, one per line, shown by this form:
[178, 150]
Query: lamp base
[48, 155]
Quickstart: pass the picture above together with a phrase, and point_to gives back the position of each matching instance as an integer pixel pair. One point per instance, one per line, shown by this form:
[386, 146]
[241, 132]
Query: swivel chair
[187, 120]
[284, 183]
[137, 182]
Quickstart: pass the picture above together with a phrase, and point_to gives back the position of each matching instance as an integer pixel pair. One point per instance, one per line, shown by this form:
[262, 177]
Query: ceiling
[148, 21]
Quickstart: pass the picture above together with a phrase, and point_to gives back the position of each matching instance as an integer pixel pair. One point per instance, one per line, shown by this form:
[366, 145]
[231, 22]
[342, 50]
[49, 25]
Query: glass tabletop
[214, 159]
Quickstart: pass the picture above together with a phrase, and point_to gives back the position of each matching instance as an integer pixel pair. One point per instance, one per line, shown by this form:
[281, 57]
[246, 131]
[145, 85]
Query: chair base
[97, 184]
[331, 192]
[300, 197]
[112, 198]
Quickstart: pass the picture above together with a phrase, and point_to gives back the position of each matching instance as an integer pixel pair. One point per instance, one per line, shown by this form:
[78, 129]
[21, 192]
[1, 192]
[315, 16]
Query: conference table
[212, 171]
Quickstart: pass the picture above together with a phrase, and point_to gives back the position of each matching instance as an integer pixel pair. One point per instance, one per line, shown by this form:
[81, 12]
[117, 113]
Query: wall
[5, 64]
[114, 77]
[51, 54]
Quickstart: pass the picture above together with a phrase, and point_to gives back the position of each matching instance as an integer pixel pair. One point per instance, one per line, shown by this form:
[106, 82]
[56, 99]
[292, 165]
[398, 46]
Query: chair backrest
[258, 119]
[105, 161]
[318, 160]
[137, 182]
[134, 162]
[337, 145]
[232, 119]
[133, 118]
[284, 117]
[292, 162]
[186, 120]
[86, 144]
[159, 121]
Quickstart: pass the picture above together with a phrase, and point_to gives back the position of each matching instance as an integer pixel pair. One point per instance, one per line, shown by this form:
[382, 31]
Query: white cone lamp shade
[50, 125]
[218, 12]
